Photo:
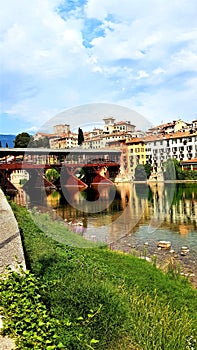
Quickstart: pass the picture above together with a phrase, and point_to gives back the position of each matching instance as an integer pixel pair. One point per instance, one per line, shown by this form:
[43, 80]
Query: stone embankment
[11, 251]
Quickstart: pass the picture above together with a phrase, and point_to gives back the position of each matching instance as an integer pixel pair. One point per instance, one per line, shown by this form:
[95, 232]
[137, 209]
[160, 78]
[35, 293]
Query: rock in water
[164, 244]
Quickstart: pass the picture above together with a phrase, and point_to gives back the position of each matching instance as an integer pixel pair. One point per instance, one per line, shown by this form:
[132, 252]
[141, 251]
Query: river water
[129, 215]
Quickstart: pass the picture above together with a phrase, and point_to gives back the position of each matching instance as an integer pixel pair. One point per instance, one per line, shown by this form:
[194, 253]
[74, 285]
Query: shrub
[26, 316]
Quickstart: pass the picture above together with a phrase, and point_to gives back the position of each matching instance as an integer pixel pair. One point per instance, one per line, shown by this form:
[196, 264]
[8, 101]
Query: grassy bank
[94, 298]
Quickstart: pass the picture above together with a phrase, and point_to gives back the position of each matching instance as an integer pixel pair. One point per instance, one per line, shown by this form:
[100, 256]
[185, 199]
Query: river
[129, 216]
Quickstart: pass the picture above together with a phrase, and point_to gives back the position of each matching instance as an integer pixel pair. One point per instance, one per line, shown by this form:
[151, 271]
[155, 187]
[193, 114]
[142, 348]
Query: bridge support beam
[5, 183]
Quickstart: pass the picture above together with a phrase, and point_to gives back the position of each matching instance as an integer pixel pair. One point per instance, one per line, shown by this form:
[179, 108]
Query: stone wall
[11, 249]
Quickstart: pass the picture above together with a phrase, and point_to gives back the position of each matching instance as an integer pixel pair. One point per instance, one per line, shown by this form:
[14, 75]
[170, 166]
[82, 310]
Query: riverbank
[178, 227]
[115, 300]
[164, 259]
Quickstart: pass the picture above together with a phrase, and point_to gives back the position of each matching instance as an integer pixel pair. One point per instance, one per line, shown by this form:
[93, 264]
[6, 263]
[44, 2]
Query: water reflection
[125, 209]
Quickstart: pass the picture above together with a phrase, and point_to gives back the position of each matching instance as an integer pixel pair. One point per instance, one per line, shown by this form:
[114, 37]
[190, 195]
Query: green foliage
[148, 169]
[42, 142]
[140, 173]
[190, 175]
[52, 175]
[105, 300]
[80, 136]
[142, 190]
[22, 181]
[173, 171]
[26, 315]
[77, 290]
[22, 140]
[143, 172]
[170, 172]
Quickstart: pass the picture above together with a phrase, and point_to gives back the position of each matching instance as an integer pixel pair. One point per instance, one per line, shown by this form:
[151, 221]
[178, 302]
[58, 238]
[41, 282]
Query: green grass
[99, 295]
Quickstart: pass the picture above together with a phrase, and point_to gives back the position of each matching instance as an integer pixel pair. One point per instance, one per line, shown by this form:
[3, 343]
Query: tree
[52, 175]
[80, 136]
[173, 170]
[22, 140]
[140, 173]
[148, 169]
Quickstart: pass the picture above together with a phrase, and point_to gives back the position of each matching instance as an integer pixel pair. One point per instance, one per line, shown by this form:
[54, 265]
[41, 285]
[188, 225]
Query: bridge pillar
[37, 180]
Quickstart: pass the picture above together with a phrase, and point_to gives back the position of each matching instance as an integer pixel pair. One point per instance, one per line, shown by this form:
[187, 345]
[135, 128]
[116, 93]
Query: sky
[56, 55]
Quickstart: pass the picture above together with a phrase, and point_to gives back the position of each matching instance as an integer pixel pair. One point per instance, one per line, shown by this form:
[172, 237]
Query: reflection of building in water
[168, 206]
[20, 198]
[172, 210]
[134, 203]
[53, 199]
[184, 229]
[158, 206]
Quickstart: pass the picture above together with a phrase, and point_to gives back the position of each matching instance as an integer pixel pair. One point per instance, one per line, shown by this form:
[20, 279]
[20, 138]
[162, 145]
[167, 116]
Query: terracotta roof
[124, 123]
[135, 140]
[45, 134]
[178, 134]
[154, 138]
[116, 141]
[162, 126]
[194, 160]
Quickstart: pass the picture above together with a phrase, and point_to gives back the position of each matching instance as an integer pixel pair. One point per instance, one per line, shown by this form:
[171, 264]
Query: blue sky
[58, 54]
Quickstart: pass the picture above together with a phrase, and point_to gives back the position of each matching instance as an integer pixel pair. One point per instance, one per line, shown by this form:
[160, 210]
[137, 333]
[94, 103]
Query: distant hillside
[7, 138]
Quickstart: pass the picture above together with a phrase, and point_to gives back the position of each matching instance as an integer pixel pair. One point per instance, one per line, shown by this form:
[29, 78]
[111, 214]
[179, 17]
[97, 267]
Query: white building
[112, 127]
[70, 141]
[179, 145]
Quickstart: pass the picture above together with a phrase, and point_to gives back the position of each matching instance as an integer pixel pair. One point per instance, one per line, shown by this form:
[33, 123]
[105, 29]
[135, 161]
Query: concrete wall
[10, 240]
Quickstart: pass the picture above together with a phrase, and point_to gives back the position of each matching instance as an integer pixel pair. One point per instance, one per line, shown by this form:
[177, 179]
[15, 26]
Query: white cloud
[147, 52]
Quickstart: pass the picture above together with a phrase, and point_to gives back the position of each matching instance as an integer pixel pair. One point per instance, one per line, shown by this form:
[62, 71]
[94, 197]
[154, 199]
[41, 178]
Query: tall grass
[116, 300]
[157, 326]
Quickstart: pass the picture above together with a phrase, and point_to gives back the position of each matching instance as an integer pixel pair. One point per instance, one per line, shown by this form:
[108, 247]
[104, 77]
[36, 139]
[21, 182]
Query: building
[168, 128]
[70, 141]
[136, 150]
[189, 164]
[121, 145]
[180, 145]
[112, 127]
[61, 129]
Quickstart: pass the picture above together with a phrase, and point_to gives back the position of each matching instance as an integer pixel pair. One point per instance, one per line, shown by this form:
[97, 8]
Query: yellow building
[136, 151]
